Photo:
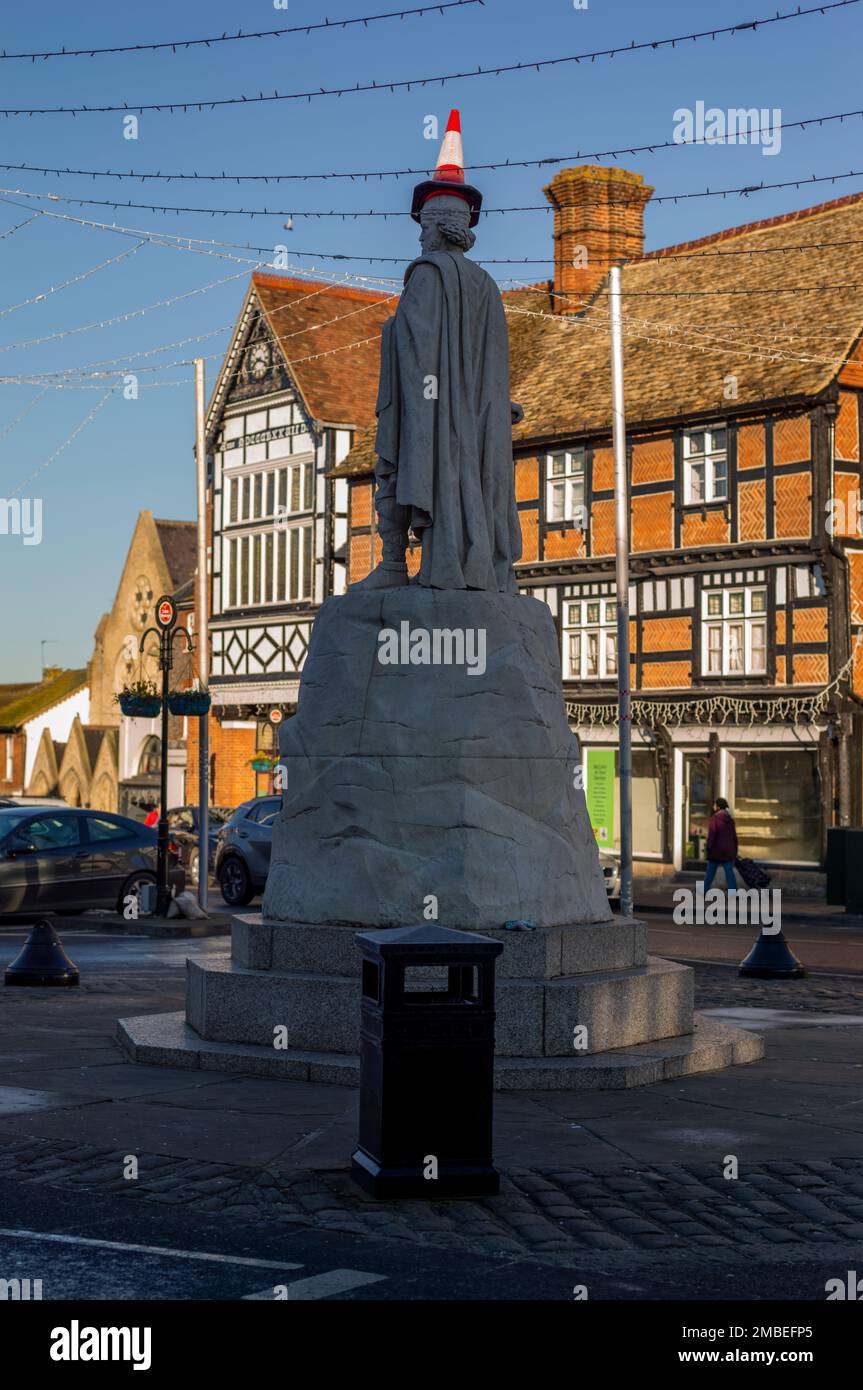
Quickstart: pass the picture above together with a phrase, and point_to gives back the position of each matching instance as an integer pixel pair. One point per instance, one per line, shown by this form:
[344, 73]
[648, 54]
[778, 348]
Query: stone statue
[444, 438]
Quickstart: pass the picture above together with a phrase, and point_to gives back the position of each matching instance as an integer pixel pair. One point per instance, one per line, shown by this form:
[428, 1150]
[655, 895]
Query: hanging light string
[406, 84]
[10, 231]
[366, 175]
[66, 442]
[745, 191]
[123, 317]
[7, 429]
[176, 45]
[704, 345]
[211, 246]
[198, 337]
[717, 709]
[75, 280]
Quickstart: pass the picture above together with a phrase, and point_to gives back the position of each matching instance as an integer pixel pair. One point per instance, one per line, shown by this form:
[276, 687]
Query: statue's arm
[517, 412]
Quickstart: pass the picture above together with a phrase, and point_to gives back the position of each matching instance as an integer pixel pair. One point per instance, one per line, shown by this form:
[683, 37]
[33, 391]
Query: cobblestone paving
[718, 987]
[548, 1213]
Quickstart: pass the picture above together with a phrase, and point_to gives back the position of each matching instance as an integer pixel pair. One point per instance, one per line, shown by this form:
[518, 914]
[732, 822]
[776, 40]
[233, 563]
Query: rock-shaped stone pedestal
[430, 756]
[445, 785]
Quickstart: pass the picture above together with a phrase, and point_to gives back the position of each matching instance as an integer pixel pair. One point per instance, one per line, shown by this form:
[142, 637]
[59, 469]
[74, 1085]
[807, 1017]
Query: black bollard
[771, 958]
[42, 960]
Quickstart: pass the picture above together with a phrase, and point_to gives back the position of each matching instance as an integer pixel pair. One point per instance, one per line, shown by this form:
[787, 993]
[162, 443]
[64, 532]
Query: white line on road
[150, 1250]
[318, 1286]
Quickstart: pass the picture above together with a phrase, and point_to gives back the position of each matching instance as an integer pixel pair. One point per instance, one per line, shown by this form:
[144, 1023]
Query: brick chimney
[598, 220]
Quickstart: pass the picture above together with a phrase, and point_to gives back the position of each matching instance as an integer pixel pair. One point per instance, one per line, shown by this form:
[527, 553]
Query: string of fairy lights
[718, 708]
[439, 79]
[751, 135]
[212, 40]
[354, 214]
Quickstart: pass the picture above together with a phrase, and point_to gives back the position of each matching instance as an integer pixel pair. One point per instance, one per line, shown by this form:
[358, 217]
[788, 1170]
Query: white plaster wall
[58, 720]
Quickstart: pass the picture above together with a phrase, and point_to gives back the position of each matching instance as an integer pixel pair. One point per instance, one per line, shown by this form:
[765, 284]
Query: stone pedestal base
[577, 1007]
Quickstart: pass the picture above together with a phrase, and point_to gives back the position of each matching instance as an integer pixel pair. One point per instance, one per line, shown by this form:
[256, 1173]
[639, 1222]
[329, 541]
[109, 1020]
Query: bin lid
[426, 939]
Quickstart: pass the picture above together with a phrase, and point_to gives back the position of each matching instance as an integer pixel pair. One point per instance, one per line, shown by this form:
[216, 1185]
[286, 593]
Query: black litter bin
[854, 869]
[426, 1064]
[834, 864]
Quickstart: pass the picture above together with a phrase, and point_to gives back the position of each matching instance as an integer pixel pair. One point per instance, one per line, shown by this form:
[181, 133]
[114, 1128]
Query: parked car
[62, 860]
[32, 801]
[609, 862]
[243, 850]
[183, 827]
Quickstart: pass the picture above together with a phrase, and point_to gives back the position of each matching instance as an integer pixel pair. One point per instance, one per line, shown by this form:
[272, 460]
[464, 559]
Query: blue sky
[138, 454]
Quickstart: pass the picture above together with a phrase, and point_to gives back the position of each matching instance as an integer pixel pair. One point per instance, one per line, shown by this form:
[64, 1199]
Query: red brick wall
[234, 781]
[15, 784]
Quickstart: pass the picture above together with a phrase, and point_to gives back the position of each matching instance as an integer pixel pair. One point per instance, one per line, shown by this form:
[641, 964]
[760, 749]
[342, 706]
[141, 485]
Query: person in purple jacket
[721, 844]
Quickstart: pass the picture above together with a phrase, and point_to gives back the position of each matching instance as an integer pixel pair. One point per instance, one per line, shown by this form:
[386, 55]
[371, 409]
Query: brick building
[743, 380]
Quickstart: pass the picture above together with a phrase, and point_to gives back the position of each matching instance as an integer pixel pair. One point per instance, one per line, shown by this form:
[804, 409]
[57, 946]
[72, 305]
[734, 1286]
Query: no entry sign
[276, 716]
[166, 611]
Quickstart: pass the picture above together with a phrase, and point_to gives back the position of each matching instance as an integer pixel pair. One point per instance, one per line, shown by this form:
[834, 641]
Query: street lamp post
[166, 625]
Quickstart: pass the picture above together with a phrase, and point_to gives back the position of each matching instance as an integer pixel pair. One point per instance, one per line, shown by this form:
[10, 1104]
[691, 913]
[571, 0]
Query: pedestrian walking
[721, 844]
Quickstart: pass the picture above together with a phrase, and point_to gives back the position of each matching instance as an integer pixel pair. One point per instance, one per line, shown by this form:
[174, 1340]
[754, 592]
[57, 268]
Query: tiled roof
[309, 319]
[679, 351]
[28, 701]
[687, 329]
[179, 543]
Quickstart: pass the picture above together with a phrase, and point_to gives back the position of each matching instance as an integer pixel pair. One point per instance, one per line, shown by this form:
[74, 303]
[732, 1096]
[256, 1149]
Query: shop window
[734, 631]
[603, 799]
[150, 760]
[564, 487]
[705, 464]
[776, 803]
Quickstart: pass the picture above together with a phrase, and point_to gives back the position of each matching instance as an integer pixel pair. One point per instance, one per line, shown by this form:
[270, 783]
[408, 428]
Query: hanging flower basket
[139, 700]
[263, 764]
[190, 702]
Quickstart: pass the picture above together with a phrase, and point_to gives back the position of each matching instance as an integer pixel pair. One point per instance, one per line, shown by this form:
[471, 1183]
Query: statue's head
[445, 224]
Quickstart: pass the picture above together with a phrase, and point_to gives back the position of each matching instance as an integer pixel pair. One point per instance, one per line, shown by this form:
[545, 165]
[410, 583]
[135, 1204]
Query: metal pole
[203, 640]
[621, 547]
[163, 892]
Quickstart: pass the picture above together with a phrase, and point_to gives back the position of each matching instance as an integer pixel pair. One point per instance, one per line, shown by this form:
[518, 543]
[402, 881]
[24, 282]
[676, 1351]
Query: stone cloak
[444, 423]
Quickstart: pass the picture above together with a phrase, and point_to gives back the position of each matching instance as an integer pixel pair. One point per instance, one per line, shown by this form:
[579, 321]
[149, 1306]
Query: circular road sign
[276, 716]
[166, 611]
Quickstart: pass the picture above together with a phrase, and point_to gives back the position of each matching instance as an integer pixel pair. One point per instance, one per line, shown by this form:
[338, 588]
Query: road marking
[150, 1250]
[318, 1286]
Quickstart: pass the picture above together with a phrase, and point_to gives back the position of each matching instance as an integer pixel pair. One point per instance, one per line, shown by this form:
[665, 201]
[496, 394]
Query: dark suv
[243, 850]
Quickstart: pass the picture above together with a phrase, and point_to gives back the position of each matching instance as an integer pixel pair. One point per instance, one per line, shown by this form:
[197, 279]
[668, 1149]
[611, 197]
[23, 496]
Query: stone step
[167, 1040]
[226, 1002]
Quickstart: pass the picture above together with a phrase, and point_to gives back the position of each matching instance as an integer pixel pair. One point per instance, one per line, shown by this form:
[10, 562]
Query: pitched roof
[308, 319]
[27, 701]
[179, 541]
[692, 322]
[688, 328]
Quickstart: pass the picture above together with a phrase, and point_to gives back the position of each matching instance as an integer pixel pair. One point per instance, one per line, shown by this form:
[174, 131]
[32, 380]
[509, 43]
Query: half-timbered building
[299, 379]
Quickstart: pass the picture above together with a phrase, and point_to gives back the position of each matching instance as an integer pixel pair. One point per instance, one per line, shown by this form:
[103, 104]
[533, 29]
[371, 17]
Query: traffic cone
[448, 176]
[42, 960]
[771, 958]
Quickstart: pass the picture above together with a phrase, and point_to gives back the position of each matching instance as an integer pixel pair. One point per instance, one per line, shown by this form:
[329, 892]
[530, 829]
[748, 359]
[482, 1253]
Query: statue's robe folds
[444, 423]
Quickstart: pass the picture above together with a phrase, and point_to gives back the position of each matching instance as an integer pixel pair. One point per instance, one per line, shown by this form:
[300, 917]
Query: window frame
[747, 618]
[602, 628]
[573, 480]
[707, 458]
